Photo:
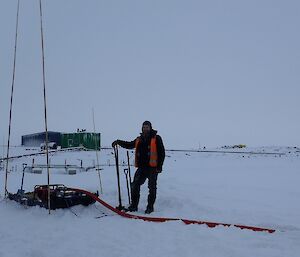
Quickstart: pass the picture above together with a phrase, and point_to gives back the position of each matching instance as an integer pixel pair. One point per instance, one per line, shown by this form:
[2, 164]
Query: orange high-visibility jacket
[153, 152]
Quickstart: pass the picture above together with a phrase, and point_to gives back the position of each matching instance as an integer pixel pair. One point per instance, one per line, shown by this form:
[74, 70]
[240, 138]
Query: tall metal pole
[128, 163]
[97, 157]
[45, 105]
[120, 207]
[11, 100]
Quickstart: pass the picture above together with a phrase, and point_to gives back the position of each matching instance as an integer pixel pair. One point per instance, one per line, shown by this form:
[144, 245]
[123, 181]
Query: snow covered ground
[249, 189]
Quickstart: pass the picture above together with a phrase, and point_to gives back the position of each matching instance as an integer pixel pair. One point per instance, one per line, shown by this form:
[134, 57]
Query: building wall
[37, 139]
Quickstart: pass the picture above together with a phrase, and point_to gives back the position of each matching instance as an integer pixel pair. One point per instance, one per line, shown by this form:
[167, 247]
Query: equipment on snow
[60, 197]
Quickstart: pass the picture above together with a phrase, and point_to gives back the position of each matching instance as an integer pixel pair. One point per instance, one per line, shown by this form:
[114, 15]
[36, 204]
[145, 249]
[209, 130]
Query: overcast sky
[206, 73]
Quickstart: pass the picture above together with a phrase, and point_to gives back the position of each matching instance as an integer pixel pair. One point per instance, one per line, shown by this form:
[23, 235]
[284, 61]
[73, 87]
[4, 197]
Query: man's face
[146, 129]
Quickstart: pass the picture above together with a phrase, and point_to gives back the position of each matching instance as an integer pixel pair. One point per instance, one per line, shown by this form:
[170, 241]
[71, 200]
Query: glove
[115, 143]
[158, 169]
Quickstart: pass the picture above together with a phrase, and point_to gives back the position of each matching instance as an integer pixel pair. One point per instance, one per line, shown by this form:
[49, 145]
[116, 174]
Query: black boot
[149, 209]
[132, 208]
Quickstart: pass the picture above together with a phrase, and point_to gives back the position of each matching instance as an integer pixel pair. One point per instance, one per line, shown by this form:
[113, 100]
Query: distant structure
[37, 139]
[81, 139]
[64, 140]
[233, 146]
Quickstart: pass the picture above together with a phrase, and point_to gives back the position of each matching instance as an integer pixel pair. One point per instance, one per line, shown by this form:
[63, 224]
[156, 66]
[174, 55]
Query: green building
[81, 139]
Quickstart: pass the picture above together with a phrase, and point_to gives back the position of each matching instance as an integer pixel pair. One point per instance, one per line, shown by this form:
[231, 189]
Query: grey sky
[204, 72]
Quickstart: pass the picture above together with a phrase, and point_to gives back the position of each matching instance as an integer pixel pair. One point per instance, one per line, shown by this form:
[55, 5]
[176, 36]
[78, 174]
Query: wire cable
[11, 99]
[45, 104]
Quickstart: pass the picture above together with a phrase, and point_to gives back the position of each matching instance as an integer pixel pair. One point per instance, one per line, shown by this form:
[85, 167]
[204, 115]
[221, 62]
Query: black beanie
[147, 123]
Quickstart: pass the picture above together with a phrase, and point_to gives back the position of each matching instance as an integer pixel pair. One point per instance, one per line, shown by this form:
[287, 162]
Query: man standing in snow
[149, 159]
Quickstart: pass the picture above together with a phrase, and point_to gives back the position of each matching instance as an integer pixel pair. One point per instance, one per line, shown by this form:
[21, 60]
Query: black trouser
[140, 177]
